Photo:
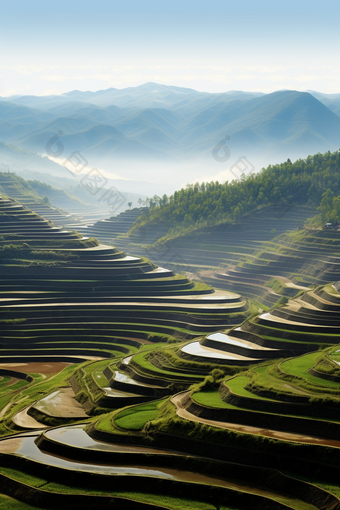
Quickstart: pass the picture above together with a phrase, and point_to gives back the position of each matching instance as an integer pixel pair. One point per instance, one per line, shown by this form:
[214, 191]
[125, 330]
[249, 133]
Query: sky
[212, 46]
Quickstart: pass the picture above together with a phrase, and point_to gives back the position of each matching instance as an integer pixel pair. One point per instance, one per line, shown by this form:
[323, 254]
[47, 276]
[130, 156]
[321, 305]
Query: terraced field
[109, 229]
[283, 267]
[265, 257]
[126, 385]
[11, 186]
[225, 242]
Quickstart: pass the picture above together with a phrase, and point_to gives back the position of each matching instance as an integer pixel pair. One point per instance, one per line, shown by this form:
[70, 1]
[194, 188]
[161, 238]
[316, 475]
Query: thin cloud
[54, 77]
[307, 77]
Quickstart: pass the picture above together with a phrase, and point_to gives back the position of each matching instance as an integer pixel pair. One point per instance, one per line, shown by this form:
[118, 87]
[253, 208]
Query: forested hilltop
[283, 185]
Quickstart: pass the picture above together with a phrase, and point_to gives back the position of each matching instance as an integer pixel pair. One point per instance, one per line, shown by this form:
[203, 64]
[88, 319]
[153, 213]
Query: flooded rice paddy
[76, 436]
[226, 339]
[118, 376]
[25, 446]
[61, 404]
[196, 349]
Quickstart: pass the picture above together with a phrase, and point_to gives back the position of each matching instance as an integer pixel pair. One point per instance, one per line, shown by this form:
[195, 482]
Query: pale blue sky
[207, 45]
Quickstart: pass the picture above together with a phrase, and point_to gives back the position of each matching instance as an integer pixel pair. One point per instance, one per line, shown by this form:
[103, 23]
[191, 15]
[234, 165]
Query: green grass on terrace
[330, 289]
[134, 418]
[7, 503]
[210, 399]
[213, 399]
[4, 380]
[171, 502]
[289, 341]
[100, 378]
[299, 367]
[141, 360]
[265, 378]
[16, 386]
[237, 386]
[276, 326]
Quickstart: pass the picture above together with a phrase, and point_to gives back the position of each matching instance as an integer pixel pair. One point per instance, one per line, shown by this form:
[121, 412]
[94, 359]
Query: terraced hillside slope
[282, 267]
[250, 258]
[307, 323]
[66, 296]
[18, 189]
[221, 255]
[266, 437]
[108, 230]
[82, 279]
[217, 226]
[123, 384]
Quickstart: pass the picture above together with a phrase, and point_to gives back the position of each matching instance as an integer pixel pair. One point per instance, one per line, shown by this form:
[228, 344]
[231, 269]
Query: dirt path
[178, 399]
[295, 389]
[4, 410]
[25, 421]
[13, 381]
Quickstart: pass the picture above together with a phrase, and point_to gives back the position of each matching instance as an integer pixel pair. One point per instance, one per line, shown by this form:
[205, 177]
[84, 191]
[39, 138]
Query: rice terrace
[151, 361]
[169, 255]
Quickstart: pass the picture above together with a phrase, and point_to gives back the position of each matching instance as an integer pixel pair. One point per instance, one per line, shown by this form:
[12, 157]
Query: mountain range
[165, 135]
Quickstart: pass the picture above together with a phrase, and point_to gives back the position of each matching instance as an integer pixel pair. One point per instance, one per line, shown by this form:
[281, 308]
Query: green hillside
[284, 186]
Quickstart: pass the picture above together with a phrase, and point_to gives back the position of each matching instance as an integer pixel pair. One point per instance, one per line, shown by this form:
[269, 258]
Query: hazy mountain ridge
[16, 158]
[173, 125]
[332, 101]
